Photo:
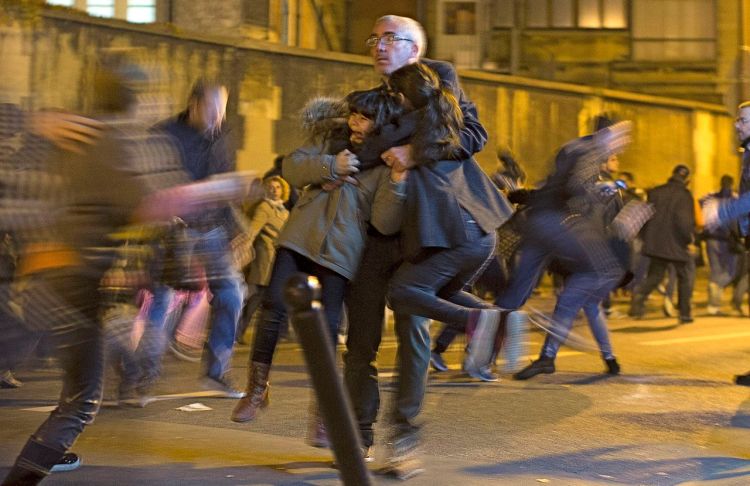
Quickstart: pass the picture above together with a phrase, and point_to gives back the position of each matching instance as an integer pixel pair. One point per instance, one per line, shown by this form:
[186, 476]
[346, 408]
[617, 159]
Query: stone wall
[207, 16]
[48, 63]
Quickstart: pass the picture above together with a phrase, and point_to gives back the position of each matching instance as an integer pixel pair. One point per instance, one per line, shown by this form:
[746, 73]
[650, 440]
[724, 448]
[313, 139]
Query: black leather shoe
[743, 380]
[613, 367]
[542, 365]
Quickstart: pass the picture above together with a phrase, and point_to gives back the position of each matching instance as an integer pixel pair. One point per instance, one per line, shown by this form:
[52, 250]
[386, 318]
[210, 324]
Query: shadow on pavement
[25, 403]
[644, 329]
[582, 378]
[674, 421]
[188, 474]
[617, 465]
[741, 417]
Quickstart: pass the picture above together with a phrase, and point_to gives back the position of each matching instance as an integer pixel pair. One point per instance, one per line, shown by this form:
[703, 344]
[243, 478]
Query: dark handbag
[509, 235]
[127, 274]
[182, 268]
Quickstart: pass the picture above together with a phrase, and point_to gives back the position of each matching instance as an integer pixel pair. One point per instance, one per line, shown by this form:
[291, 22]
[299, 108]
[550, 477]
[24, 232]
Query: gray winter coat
[330, 227]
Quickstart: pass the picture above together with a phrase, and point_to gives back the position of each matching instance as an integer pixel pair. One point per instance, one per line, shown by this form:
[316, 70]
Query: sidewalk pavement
[139, 451]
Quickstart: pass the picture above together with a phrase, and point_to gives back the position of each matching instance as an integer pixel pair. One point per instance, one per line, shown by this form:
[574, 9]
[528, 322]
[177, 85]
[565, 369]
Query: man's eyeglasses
[387, 39]
[742, 120]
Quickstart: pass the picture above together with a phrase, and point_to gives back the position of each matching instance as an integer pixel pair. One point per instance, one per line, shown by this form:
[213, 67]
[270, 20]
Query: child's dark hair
[437, 133]
[378, 105]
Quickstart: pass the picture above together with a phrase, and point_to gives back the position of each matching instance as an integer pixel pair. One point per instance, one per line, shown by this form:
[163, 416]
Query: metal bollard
[302, 296]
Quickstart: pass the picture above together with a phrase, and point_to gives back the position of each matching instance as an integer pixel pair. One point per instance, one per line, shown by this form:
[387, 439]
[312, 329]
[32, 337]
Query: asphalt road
[672, 417]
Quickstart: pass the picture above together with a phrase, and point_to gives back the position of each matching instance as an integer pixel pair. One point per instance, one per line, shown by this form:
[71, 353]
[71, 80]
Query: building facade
[311, 24]
[689, 49]
[49, 62]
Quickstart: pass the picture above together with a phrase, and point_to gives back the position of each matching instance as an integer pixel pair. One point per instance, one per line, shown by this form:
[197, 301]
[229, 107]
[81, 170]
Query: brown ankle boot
[257, 393]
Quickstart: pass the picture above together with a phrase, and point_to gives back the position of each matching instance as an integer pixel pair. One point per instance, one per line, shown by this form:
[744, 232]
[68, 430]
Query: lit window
[62, 3]
[589, 14]
[614, 15]
[101, 8]
[141, 11]
[582, 14]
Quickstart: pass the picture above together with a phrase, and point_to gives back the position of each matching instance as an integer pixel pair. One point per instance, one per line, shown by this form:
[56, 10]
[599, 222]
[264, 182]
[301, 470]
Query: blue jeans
[582, 249]
[433, 285]
[598, 326]
[722, 261]
[225, 284]
[579, 245]
[530, 262]
[273, 310]
[153, 342]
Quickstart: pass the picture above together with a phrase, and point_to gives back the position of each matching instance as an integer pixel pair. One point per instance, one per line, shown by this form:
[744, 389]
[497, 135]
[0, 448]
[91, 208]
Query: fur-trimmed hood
[325, 117]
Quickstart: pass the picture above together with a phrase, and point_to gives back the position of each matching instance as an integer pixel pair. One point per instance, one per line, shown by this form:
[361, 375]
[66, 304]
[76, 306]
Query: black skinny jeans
[273, 311]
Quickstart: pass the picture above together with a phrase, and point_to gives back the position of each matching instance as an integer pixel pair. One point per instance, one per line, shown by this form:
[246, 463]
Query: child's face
[360, 126]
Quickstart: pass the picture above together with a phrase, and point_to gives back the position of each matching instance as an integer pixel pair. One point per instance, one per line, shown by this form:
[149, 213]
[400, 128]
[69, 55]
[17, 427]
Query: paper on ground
[194, 407]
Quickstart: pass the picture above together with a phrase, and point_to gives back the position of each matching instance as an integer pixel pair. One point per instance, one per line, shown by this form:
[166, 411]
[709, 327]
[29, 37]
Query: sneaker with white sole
[516, 339]
[483, 335]
[437, 362]
[484, 373]
[68, 462]
[367, 456]
[136, 400]
[404, 462]
[223, 385]
[403, 468]
[668, 307]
